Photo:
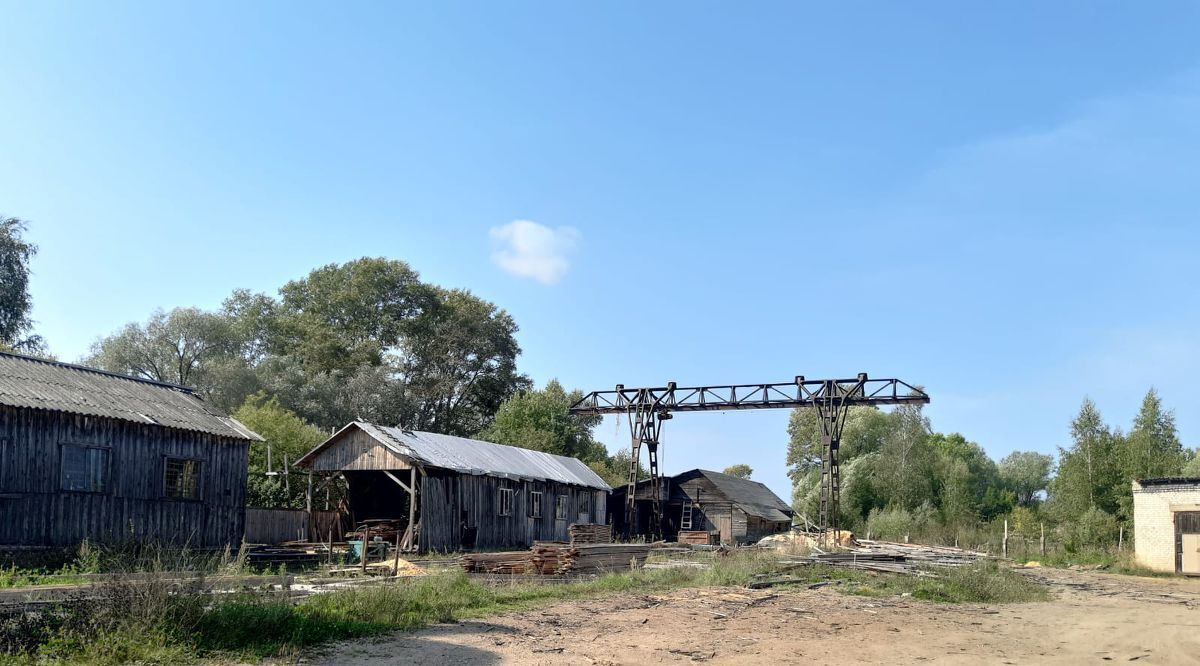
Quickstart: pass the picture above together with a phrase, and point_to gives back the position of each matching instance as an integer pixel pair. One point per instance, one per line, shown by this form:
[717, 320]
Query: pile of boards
[590, 533]
[699, 538]
[557, 558]
[902, 558]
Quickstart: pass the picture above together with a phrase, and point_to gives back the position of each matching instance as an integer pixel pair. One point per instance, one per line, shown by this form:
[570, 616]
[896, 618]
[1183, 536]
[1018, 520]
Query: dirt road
[1094, 618]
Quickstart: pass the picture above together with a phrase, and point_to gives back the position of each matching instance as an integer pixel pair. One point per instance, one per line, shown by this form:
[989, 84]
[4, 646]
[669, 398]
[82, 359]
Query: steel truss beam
[647, 408]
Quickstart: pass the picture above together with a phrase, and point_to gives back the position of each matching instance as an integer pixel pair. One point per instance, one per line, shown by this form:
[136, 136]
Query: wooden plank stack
[513, 562]
[699, 538]
[602, 557]
[584, 533]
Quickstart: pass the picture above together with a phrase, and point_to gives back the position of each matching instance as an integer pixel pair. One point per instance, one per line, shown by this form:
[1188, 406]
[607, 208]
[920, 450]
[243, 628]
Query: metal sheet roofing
[473, 456]
[753, 497]
[62, 387]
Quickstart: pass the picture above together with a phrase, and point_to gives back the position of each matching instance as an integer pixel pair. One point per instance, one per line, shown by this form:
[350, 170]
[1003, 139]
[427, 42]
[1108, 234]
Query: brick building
[1166, 520]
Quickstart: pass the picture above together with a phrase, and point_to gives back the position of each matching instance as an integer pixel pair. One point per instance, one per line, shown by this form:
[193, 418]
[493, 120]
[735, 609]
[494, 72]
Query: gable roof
[753, 497]
[34, 383]
[473, 456]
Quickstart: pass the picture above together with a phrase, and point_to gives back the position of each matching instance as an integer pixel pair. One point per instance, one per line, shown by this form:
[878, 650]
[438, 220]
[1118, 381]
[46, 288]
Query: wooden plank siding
[34, 511]
[358, 451]
[445, 495]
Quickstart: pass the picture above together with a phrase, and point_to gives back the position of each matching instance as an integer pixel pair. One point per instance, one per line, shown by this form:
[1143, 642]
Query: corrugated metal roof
[473, 456]
[62, 387]
[753, 497]
[1170, 481]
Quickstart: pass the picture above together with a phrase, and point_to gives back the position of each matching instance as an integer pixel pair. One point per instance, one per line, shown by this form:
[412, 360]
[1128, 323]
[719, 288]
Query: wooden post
[366, 534]
[1121, 539]
[331, 546]
[308, 496]
[412, 506]
[1043, 543]
[1004, 543]
[287, 486]
[396, 562]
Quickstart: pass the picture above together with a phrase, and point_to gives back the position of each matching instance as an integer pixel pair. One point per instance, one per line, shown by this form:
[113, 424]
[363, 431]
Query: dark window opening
[84, 469]
[182, 479]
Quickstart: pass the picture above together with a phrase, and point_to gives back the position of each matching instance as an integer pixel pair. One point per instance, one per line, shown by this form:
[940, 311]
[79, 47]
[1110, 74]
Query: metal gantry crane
[647, 408]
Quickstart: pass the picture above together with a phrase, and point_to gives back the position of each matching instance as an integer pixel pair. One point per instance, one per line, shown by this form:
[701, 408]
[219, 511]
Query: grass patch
[147, 624]
[983, 582]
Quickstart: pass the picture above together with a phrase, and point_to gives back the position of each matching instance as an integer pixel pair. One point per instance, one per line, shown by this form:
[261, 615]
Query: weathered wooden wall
[34, 511]
[274, 526]
[357, 450]
[445, 495]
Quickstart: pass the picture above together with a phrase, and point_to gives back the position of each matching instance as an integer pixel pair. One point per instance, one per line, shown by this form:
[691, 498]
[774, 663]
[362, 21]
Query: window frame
[501, 495]
[560, 507]
[199, 479]
[105, 469]
[535, 504]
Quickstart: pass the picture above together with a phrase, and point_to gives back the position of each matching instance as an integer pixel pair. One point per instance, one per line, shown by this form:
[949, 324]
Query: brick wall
[1154, 521]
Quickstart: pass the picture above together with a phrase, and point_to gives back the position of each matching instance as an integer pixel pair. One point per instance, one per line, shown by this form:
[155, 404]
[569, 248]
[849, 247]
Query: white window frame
[560, 507]
[198, 475]
[105, 469]
[535, 504]
[504, 499]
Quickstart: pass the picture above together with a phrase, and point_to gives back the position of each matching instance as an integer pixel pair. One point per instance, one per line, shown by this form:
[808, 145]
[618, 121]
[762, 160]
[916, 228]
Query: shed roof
[753, 497]
[35, 383]
[473, 456]
[1170, 481]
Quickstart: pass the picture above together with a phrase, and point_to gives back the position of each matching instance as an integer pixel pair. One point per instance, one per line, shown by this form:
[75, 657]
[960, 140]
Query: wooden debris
[699, 537]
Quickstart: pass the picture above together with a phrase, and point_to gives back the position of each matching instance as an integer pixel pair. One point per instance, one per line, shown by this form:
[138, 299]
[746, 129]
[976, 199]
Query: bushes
[1093, 529]
[896, 523]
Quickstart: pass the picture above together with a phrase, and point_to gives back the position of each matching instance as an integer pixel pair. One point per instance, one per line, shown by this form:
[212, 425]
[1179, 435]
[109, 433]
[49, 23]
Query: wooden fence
[273, 526]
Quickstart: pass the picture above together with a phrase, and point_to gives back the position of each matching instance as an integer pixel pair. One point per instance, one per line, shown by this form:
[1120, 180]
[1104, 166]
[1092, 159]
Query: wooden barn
[448, 493]
[87, 454]
[738, 510]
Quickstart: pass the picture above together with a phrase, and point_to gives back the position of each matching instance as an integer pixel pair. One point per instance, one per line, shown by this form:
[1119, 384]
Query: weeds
[151, 622]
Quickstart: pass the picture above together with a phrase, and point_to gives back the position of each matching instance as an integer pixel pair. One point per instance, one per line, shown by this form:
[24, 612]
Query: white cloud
[528, 249]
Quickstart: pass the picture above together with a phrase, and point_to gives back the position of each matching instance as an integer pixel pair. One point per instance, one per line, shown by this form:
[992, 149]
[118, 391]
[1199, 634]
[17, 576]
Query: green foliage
[540, 420]
[289, 438]
[896, 523]
[1192, 467]
[1151, 449]
[740, 470]
[1026, 473]
[1094, 528]
[15, 302]
[1088, 474]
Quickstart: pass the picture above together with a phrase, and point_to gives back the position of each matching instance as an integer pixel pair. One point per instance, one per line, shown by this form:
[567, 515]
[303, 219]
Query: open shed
[451, 493]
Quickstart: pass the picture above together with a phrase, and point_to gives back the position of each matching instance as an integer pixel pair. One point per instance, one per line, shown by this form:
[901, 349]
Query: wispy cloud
[528, 249]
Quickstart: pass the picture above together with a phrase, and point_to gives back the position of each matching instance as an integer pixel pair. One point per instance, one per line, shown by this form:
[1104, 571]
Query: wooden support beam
[403, 485]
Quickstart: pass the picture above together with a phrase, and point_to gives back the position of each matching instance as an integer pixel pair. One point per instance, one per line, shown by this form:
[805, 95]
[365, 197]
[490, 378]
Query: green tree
[186, 346]
[1152, 448]
[15, 302]
[541, 420]
[740, 470]
[615, 469]
[1088, 475]
[288, 438]
[340, 316]
[865, 431]
[1192, 467]
[459, 364]
[1027, 473]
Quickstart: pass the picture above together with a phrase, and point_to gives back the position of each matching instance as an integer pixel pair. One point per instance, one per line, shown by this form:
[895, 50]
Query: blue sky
[997, 202]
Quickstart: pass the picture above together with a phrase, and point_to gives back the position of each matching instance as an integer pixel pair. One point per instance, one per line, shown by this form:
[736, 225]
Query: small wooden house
[88, 454]
[739, 510]
[449, 493]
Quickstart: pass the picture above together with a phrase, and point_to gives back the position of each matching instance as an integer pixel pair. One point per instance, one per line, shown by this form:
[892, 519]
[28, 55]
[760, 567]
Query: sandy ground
[1094, 618]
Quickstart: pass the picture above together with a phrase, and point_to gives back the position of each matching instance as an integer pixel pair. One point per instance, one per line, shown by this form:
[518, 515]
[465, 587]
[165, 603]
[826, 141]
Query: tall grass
[149, 622]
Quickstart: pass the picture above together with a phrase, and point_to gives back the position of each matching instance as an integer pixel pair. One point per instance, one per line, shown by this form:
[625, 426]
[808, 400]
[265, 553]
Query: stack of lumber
[386, 529]
[903, 558]
[590, 533]
[546, 557]
[515, 562]
[602, 557]
[699, 537]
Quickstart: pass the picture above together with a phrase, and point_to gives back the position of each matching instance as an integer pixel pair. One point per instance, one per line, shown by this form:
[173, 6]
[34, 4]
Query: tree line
[369, 340]
[901, 478]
